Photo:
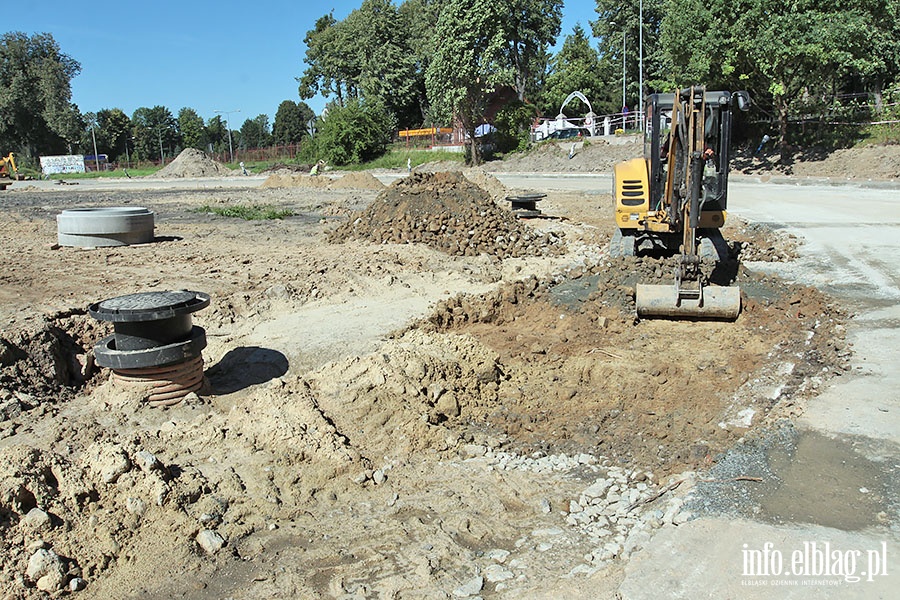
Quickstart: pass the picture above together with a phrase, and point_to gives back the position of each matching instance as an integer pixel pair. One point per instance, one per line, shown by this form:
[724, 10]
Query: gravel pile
[618, 511]
[193, 163]
[450, 213]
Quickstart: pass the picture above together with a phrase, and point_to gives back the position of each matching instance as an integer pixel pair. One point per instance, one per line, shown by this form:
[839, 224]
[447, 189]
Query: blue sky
[208, 56]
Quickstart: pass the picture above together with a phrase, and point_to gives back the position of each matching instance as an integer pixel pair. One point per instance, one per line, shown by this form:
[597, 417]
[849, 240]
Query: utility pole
[641, 64]
[228, 127]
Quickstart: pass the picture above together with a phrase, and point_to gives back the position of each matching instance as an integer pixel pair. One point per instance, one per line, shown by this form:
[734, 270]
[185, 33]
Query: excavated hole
[580, 374]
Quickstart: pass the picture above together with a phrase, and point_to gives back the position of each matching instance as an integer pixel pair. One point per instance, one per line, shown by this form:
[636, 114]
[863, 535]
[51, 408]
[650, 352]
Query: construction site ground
[414, 394]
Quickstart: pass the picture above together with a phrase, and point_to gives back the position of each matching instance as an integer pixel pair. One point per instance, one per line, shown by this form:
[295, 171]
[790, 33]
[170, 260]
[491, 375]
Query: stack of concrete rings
[154, 344]
[102, 227]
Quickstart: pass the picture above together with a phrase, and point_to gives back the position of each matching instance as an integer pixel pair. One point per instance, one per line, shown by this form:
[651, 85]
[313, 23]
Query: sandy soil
[383, 420]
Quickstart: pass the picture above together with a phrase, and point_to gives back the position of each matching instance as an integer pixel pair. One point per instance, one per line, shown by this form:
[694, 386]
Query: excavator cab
[674, 199]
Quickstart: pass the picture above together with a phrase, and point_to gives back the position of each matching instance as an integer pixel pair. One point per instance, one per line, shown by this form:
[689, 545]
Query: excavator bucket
[714, 302]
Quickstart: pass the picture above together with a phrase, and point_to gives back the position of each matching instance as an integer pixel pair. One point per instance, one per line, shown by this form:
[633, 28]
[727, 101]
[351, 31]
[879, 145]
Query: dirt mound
[488, 183]
[47, 359]
[193, 163]
[359, 181]
[284, 179]
[869, 162]
[399, 400]
[591, 156]
[450, 213]
[362, 180]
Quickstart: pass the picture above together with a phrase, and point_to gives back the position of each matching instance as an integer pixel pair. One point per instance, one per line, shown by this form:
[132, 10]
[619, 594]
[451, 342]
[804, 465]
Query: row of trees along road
[433, 62]
[427, 62]
[37, 116]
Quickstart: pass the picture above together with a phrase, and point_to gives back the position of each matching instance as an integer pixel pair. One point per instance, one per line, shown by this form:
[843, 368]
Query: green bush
[357, 132]
[513, 123]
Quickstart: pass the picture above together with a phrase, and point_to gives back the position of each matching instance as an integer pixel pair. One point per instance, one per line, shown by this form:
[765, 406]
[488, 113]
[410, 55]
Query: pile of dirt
[362, 180]
[593, 156]
[864, 163]
[754, 242]
[450, 213]
[50, 358]
[193, 163]
[488, 183]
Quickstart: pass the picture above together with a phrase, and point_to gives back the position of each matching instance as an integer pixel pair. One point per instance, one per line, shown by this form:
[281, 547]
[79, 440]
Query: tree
[531, 27]
[36, 115]
[419, 18]
[291, 121]
[577, 67]
[799, 57]
[331, 68]
[110, 127]
[469, 62]
[367, 55]
[192, 129]
[255, 132]
[217, 133]
[354, 133]
[618, 22]
[154, 130]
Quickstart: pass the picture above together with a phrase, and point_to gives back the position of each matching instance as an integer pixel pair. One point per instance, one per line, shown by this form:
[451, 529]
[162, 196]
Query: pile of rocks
[618, 511]
[450, 213]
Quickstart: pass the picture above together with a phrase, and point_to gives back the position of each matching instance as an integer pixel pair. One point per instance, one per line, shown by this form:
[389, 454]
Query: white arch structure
[589, 118]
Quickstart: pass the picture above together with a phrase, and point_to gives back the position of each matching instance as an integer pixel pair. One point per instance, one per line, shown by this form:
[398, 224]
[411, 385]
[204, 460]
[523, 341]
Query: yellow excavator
[8, 170]
[674, 200]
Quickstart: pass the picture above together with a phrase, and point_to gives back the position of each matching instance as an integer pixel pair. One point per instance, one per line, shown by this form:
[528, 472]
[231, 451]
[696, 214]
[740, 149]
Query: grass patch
[885, 134]
[248, 212]
[135, 172]
[396, 159]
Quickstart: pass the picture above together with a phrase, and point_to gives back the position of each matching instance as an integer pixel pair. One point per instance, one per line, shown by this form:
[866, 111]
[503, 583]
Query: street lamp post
[613, 24]
[96, 157]
[226, 113]
[162, 160]
[641, 64]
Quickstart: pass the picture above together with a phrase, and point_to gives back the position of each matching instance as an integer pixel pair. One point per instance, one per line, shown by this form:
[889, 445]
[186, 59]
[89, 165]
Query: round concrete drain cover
[99, 227]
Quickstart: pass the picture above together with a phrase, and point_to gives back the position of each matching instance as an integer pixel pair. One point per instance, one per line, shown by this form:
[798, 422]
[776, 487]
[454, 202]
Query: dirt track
[384, 420]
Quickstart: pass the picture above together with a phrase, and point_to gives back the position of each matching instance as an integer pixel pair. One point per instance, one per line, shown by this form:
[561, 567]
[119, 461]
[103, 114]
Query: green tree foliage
[291, 121]
[217, 133]
[193, 131]
[513, 126]
[155, 133]
[331, 68]
[622, 21]
[367, 55]
[111, 127]
[255, 132]
[36, 115]
[469, 62]
[577, 67]
[531, 27]
[794, 57]
[356, 132]
[420, 18]
[387, 65]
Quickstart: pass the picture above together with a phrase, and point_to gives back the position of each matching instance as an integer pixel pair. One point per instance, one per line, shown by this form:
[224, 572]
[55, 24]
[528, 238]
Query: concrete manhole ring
[98, 227]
